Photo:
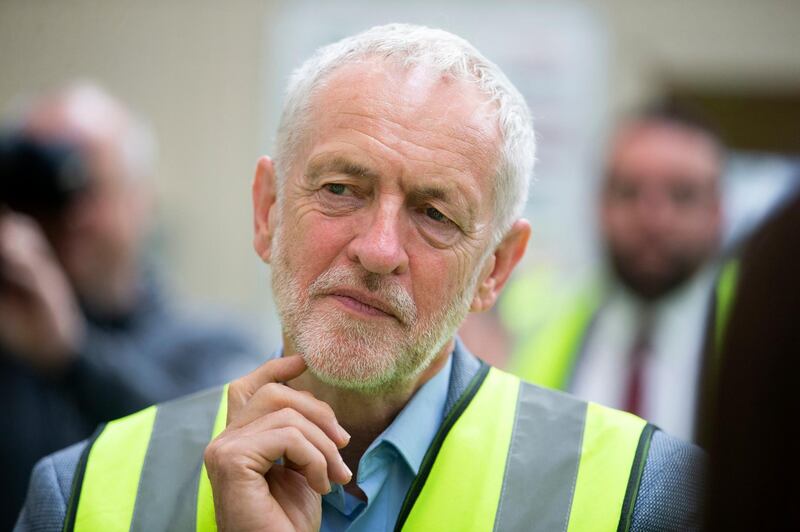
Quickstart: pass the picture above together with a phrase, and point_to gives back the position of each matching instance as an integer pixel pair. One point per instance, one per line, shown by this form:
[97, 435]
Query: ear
[499, 265]
[264, 210]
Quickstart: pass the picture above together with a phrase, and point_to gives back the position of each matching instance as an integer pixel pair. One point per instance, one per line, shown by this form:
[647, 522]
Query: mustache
[392, 294]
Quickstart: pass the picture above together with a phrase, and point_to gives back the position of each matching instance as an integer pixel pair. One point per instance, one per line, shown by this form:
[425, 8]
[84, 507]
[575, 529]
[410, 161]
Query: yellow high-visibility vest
[508, 456]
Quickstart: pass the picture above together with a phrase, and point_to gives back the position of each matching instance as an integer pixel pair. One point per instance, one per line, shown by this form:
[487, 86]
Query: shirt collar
[416, 425]
[408, 436]
[414, 428]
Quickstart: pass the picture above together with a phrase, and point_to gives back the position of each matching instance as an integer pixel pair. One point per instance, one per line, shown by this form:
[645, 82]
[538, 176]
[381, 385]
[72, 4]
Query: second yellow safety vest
[548, 355]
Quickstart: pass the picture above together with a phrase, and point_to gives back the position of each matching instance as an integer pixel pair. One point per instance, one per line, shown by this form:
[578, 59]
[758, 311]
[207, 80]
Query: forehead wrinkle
[436, 151]
[414, 99]
[460, 137]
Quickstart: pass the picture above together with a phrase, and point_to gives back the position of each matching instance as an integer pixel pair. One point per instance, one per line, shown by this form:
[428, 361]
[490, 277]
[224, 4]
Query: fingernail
[348, 473]
[344, 434]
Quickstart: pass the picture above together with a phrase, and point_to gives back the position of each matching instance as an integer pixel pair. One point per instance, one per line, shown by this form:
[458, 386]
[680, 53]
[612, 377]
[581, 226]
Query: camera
[39, 178]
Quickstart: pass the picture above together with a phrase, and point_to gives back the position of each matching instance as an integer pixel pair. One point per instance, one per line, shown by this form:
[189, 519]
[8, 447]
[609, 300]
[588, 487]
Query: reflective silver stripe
[167, 494]
[542, 463]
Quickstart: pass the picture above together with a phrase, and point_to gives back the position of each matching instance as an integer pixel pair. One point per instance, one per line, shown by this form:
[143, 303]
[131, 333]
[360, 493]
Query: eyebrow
[429, 192]
[338, 165]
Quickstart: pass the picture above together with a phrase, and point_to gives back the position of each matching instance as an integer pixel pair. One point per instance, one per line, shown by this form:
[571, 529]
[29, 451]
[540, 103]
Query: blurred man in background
[86, 332]
[632, 338]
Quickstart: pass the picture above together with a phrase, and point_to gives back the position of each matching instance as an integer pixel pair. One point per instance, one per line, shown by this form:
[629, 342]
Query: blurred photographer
[86, 332]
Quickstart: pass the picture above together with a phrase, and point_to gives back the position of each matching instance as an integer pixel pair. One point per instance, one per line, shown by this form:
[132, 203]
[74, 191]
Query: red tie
[634, 392]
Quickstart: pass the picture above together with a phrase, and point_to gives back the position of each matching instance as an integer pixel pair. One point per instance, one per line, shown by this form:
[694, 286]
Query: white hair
[445, 53]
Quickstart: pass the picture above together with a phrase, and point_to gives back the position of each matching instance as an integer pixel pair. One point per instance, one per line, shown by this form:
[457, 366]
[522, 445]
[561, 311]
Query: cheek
[701, 229]
[429, 288]
[313, 243]
[611, 219]
[437, 276]
[615, 229]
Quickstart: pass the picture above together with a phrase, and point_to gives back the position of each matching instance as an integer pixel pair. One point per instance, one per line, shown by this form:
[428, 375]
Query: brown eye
[624, 192]
[683, 196]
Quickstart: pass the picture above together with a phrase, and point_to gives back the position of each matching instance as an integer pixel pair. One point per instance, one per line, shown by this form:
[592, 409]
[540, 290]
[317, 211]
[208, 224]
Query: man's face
[660, 209]
[102, 236]
[384, 221]
[99, 236]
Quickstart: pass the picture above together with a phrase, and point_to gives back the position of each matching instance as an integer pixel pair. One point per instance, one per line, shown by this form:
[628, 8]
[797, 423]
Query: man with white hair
[391, 211]
[87, 334]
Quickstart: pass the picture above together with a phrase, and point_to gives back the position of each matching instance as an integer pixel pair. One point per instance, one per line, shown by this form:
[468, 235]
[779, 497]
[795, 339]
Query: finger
[288, 417]
[20, 267]
[299, 502]
[23, 248]
[262, 448]
[307, 458]
[273, 397]
[277, 370]
[23, 232]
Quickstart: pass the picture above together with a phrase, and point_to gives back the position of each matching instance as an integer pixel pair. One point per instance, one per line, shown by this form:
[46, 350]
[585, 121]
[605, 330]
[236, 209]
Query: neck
[366, 415]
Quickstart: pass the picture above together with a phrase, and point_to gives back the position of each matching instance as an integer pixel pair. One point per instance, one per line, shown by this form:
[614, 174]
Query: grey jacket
[158, 350]
[669, 498]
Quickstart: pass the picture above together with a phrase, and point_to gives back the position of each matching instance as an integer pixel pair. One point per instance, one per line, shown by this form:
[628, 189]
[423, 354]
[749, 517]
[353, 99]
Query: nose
[655, 212]
[379, 245]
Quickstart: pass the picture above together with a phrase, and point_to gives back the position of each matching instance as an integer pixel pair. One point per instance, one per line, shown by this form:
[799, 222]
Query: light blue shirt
[391, 462]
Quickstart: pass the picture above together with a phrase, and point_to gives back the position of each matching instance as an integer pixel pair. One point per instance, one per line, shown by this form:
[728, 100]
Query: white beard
[370, 357]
